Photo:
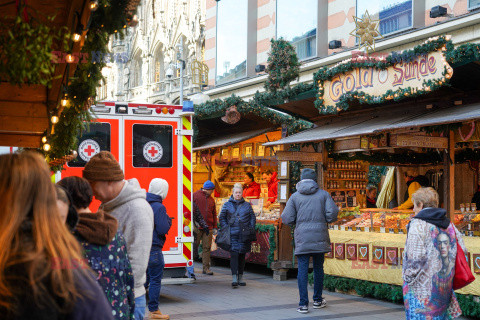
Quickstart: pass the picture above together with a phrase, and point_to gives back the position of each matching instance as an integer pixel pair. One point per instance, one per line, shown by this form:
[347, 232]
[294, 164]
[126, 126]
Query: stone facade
[150, 50]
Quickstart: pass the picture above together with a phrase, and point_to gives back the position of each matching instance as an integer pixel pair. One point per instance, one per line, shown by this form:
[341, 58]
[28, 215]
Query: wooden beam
[21, 140]
[299, 156]
[25, 93]
[9, 124]
[449, 177]
[23, 109]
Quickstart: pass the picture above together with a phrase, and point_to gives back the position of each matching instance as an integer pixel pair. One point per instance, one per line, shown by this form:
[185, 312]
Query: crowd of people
[59, 260]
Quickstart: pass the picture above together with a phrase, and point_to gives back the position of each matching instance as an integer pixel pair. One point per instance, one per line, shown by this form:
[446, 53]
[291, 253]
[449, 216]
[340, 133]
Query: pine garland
[393, 293]
[282, 65]
[375, 174]
[271, 239]
[110, 18]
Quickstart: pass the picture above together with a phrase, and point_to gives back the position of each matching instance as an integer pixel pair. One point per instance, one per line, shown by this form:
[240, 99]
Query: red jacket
[206, 204]
[272, 188]
[253, 190]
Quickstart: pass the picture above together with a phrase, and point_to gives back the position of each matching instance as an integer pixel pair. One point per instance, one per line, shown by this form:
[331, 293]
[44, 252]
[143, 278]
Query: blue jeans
[156, 264]
[140, 307]
[302, 278]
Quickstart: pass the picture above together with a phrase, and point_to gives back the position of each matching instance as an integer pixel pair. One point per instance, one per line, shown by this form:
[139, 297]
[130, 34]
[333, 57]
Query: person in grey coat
[309, 210]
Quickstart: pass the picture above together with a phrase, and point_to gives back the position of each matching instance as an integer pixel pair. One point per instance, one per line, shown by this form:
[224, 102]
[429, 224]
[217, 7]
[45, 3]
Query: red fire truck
[149, 141]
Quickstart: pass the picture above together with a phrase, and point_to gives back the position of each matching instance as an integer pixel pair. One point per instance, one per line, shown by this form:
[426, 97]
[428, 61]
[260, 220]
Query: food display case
[373, 220]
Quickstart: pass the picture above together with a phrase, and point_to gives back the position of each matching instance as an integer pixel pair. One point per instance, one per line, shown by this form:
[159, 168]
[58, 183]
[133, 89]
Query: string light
[46, 147]
[44, 139]
[54, 119]
[94, 5]
[64, 101]
[69, 58]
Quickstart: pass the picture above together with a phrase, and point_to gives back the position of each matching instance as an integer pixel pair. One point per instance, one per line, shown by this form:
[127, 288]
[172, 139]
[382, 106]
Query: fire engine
[149, 141]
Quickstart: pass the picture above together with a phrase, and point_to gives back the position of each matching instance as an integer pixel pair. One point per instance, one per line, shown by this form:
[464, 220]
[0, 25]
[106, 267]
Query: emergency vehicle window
[91, 141]
[152, 146]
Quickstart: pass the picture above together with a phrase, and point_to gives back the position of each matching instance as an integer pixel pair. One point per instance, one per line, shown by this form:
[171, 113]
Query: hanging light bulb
[76, 37]
[44, 139]
[46, 147]
[93, 5]
[69, 58]
[64, 101]
[54, 119]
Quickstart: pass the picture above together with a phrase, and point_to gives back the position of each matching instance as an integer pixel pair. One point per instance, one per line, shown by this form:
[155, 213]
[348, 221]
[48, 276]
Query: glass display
[94, 139]
[152, 146]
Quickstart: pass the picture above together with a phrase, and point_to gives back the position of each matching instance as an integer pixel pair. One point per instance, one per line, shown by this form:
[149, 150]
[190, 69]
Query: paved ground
[212, 297]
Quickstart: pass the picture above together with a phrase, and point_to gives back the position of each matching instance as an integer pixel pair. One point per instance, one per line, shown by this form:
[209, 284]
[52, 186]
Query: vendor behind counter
[251, 189]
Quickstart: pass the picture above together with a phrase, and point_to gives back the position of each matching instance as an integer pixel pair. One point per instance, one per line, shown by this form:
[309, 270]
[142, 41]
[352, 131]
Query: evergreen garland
[271, 239]
[282, 65]
[393, 293]
[110, 18]
[375, 174]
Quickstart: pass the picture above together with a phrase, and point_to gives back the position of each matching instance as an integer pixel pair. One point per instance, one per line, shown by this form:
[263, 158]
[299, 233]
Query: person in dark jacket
[199, 224]
[203, 199]
[42, 274]
[104, 247]
[371, 196]
[309, 210]
[239, 214]
[157, 192]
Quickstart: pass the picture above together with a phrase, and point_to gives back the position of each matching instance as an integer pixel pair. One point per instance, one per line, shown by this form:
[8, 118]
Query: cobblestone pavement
[212, 297]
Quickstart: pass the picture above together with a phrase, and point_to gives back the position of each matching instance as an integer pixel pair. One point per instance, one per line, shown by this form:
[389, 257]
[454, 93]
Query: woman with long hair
[42, 272]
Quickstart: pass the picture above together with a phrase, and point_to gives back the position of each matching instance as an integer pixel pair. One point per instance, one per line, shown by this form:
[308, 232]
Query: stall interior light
[93, 5]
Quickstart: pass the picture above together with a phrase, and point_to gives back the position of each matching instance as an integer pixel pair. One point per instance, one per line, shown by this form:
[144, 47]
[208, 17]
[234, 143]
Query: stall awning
[231, 139]
[376, 121]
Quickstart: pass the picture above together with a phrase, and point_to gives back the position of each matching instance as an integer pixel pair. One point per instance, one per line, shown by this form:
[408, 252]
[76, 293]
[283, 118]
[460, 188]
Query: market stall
[370, 119]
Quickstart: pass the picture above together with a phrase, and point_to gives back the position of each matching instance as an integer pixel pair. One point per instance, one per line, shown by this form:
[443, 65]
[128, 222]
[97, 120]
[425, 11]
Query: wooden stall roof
[24, 111]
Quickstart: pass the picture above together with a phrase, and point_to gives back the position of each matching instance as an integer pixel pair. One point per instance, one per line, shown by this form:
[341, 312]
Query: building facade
[145, 65]
[238, 33]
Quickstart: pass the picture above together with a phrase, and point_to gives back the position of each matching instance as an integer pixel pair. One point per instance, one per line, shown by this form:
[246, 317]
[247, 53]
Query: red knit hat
[103, 167]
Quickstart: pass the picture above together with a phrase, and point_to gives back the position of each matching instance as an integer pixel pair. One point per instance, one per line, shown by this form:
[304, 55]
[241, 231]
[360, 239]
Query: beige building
[238, 33]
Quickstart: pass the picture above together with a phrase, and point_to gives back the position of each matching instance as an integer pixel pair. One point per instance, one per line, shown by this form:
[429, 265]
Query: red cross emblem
[89, 150]
[153, 151]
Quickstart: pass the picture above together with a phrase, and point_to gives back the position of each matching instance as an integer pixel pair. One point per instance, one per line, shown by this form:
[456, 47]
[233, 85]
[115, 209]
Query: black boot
[234, 281]
[240, 282]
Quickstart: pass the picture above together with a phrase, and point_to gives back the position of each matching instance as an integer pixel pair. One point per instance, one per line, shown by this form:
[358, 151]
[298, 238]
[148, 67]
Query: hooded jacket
[429, 265]
[309, 210]
[162, 222]
[207, 208]
[135, 221]
[97, 233]
[273, 188]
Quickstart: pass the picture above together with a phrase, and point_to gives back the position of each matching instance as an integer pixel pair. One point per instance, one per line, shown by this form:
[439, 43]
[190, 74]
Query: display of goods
[349, 213]
[403, 223]
[476, 218]
[458, 218]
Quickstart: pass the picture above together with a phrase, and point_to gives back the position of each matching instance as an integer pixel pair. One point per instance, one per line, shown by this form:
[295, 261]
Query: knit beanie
[159, 187]
[103, 167]
[208, 185]
[308, 173]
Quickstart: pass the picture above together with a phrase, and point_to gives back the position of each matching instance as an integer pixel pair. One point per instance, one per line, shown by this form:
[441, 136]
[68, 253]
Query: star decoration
[366, 30]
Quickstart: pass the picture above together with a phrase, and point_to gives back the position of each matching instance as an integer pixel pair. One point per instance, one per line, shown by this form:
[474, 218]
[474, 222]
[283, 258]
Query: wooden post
[449, 177]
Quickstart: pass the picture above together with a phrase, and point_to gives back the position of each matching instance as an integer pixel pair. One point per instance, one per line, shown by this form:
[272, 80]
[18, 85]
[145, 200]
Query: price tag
[382, 229]
[342, 228]
[391, 230]
[358, 229]
[367, 229]
[350, 229]
[335, 227]
[400, 231]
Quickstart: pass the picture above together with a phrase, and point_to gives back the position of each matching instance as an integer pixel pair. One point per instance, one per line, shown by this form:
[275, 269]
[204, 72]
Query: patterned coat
[428, 270]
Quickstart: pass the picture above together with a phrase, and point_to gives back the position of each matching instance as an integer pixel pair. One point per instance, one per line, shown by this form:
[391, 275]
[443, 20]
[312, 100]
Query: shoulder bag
[463, 275]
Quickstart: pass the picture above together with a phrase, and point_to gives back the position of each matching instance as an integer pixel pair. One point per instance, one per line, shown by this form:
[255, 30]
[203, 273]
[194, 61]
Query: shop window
[91, 141]
[152, 146]
[231, 40]
[394, 15]
[473, 4]
[298, 24]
